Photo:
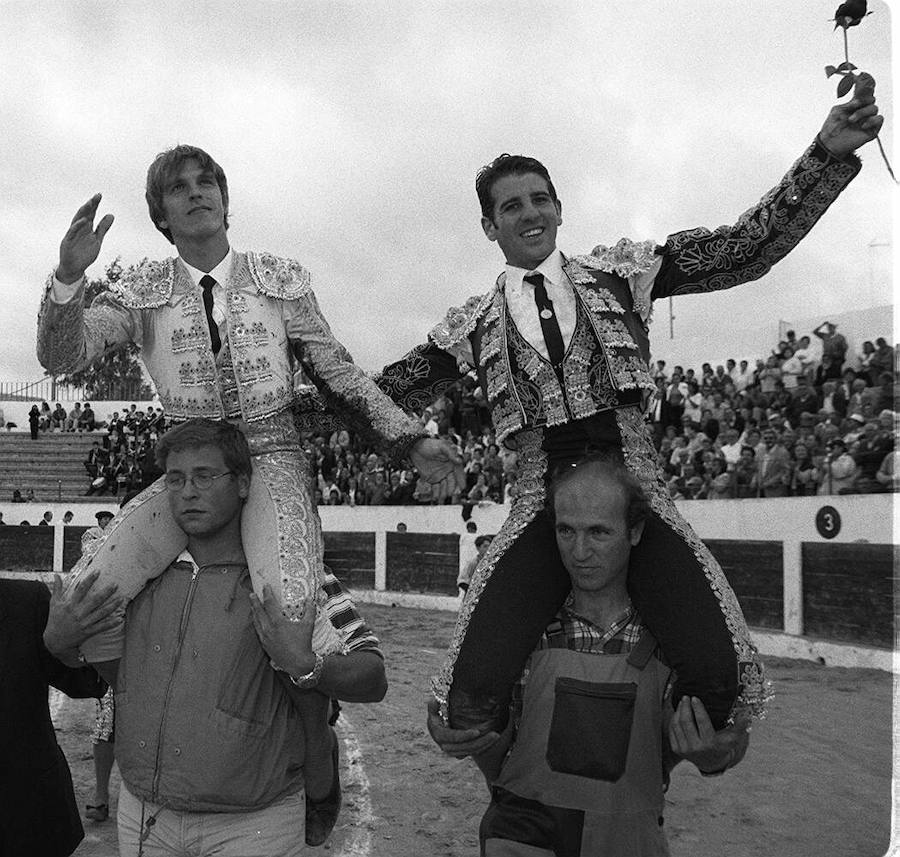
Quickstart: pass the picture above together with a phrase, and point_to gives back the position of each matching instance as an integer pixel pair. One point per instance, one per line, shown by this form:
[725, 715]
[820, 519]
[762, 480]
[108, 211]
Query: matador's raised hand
[850, 125]
[81, 243]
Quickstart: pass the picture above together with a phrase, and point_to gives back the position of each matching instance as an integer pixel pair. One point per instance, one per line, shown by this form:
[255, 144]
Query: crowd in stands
[801, 421]
[124, 461]
[794, 424]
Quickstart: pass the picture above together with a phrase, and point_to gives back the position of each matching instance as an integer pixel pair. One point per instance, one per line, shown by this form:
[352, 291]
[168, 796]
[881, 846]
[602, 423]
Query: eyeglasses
[200, 481]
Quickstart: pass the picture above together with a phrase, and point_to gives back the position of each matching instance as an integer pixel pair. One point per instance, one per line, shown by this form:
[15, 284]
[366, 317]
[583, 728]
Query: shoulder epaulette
[626, 258]
[460, 321]
[148, 284]
[275, 277]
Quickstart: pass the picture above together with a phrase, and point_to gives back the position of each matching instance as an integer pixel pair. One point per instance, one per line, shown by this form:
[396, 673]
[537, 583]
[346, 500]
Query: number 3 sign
[828, 522]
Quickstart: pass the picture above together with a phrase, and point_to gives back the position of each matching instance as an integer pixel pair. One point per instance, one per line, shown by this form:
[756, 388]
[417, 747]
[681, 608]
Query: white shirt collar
[551, 268]
[221, 273]
[185, 556]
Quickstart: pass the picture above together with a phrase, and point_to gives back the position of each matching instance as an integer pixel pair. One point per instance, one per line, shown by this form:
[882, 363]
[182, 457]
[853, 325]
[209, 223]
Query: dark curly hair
[506, 165]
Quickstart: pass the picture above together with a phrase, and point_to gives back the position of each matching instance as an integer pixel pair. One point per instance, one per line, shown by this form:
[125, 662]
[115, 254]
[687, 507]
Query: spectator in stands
[803, 400]
[29, 495]
[376, 488]
[94, 460]
[838, 469]
[774, 466]
[67, 517]
[729, 446]
[746, 474]
[743, 376]
[675, 395]
[791, 369]
[87, 421]
[114, 423]
[46, 417]
[74, 416]
[692, 403]
[58, 418]
[46, 520]
[718, 480]
[864, 360]
[833, 343]
[852, 428]
[885, 397]
[804, 353]
[869, 453]
[828, 370]
[769, 376]
[888, 474]
[804, 473]
[34, 421]
[709, 425]
[17, 496]
[882, 360]
[480, 491]
[399, 493]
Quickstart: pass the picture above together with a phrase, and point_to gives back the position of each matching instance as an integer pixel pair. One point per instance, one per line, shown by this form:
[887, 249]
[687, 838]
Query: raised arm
[70, 337]
[703, 260]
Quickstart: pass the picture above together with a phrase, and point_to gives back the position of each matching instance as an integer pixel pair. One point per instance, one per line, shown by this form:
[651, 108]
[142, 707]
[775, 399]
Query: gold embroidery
[284, 279]
[460, 321]
[626, 258]
[147, 286]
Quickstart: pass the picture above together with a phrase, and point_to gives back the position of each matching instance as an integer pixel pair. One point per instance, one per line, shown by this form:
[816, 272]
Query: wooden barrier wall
[820, 567]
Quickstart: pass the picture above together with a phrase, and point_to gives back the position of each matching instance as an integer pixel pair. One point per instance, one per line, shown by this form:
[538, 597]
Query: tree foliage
[118, 374]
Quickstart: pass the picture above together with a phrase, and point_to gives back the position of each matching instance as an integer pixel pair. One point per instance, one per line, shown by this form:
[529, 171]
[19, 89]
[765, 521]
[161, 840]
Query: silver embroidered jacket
[606, 362]
[273, 326]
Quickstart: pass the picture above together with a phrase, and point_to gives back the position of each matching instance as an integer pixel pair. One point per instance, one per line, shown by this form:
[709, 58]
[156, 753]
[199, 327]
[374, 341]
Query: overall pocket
[591, 728]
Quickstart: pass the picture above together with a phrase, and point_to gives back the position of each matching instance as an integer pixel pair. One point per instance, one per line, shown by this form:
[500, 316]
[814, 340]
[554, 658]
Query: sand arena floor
[816, 781]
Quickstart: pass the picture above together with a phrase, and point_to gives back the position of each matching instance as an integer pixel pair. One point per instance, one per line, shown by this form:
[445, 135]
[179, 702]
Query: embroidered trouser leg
[675, 583]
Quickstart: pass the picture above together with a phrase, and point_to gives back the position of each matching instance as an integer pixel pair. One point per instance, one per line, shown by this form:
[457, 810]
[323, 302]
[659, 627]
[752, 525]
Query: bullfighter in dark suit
[561, 349]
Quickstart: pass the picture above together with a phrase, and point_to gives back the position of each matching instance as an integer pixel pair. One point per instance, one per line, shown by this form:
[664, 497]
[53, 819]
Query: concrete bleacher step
[52, 465]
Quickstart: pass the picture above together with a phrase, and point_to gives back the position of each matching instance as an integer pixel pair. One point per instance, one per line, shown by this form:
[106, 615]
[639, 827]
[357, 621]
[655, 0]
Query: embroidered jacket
[274, 326]
[606, 364]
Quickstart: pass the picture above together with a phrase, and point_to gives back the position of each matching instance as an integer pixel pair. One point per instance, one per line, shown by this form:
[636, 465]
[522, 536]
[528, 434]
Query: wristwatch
[311, 679]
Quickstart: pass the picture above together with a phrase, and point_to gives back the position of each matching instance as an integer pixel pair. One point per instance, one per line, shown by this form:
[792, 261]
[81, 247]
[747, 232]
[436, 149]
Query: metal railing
[49, 390]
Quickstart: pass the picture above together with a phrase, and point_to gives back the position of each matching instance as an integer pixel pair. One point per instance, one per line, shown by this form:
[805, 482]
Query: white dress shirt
[523, 309]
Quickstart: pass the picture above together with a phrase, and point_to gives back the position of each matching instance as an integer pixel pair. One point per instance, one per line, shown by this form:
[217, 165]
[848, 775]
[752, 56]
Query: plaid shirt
[571, 631]
[356, 635]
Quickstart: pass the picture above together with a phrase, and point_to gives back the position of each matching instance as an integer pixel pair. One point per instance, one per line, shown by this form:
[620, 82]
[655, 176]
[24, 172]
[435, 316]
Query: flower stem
[887, 163]
[846, 53]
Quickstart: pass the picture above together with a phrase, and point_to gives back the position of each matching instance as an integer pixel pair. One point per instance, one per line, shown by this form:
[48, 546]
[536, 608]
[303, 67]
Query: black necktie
[549, 325]
[207, 282]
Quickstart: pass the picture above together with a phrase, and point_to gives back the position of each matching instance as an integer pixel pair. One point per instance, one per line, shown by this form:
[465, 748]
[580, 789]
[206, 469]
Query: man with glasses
[214, 684]
[222, 334]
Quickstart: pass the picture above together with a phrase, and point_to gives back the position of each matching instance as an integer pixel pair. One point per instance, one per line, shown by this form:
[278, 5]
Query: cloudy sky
[351, 133]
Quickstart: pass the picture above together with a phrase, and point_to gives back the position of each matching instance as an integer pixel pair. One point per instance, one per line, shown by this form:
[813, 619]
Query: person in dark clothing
[38, 814]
